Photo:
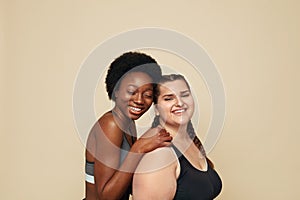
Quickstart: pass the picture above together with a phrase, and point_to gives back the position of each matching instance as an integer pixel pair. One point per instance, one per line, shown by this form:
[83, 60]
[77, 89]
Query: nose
[179, 101]
[138, 98]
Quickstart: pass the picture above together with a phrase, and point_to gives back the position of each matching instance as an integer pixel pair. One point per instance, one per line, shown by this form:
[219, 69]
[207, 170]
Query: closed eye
[168, 97]
[131, 92]
[185, 93]
[148, 95]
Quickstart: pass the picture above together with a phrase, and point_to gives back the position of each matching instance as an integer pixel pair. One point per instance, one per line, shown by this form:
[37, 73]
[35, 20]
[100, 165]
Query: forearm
[116, 187]
[119, 182]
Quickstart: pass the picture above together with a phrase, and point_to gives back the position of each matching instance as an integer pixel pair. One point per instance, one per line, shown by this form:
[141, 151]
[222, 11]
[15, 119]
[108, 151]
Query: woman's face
[175, 103]
[134, 95]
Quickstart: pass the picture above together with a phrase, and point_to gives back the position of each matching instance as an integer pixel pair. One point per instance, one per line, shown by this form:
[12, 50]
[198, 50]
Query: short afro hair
[130, 62]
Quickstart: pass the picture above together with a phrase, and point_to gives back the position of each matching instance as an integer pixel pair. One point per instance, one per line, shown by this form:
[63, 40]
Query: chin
[135, 117]
[183, 122]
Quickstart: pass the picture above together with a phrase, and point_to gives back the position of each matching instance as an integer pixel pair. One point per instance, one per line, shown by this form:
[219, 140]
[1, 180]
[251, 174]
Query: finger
[163, 132]
[151, 132]
[166, 139]
[160, 128]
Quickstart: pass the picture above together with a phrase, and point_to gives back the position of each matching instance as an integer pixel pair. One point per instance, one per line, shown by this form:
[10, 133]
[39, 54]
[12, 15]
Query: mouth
[179, 111]
[136, 110]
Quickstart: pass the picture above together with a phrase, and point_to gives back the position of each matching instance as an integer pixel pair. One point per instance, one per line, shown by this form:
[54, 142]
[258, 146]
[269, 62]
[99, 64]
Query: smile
[179, 111]
[135, 109]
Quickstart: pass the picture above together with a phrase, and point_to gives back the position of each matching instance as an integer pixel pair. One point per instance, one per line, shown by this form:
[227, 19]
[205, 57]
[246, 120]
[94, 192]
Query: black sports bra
[194, 184]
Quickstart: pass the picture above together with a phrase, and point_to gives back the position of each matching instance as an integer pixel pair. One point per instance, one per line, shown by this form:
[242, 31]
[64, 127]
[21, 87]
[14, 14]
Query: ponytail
[197, 142]
[155, 122]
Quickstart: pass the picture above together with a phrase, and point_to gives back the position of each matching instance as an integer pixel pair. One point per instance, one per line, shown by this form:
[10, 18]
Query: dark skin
[114, 182]
[112, 179]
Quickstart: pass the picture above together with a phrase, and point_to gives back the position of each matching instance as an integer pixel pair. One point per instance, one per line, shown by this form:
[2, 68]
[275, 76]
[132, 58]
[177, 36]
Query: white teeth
[179, 111]
[135, 109]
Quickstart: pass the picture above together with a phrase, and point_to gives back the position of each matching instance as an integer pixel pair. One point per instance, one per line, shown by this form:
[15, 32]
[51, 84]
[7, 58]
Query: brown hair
[190, 128]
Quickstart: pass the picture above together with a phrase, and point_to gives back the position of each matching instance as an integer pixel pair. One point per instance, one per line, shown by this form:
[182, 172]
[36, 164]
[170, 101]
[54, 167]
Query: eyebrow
[182, 92]
[185, 91]
[131, 85]
[136, 87]
[168, 95]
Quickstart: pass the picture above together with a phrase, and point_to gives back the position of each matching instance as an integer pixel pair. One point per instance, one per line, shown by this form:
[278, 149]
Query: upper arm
[155, 177]
[108, 138]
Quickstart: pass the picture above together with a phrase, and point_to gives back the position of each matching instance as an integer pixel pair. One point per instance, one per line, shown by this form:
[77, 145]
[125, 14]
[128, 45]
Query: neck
[122, 120]
[179, 133]
[181, 138]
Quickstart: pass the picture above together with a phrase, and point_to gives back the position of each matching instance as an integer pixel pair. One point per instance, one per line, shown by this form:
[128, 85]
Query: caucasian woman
[181, 171]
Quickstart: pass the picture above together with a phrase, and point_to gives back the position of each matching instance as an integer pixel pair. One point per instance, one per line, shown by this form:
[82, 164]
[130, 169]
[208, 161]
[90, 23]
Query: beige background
[255, 45]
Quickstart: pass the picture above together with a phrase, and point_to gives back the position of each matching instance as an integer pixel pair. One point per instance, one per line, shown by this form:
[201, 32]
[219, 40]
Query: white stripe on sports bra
[89, 179]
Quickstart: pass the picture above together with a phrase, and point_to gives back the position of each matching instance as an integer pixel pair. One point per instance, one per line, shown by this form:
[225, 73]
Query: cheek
[148, 102]
[190, 102]
[163, 109]
[191, 106]
[124, 96]
[119, 93]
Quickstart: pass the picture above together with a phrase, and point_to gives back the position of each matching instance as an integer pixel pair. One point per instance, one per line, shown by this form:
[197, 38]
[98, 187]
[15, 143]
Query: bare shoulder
[107, 128]
[163, 157]
[107, 122]
[148, 182]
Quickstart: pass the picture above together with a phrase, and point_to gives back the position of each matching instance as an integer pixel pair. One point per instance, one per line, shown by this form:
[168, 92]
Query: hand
[152, 139]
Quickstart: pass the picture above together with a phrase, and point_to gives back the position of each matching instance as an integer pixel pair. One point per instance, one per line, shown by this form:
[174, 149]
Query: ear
[116, 93]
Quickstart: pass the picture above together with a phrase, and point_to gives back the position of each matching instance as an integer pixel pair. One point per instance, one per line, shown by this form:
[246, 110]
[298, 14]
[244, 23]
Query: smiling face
[134, 95]
[175, 103]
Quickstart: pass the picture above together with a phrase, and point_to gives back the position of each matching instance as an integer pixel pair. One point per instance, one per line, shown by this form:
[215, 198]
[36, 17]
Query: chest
[195, 184]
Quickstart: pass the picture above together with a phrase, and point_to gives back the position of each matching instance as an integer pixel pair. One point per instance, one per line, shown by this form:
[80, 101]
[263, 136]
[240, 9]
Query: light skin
[133, 99]
[175, 105]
